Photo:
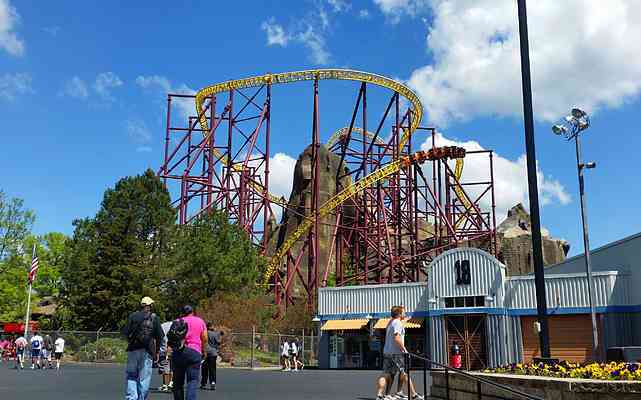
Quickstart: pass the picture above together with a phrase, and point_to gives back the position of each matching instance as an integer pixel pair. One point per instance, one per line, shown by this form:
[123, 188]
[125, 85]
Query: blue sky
[83, 86]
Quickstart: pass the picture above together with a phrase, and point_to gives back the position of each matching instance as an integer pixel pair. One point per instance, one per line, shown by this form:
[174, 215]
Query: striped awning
[343, 324]
[408, 323]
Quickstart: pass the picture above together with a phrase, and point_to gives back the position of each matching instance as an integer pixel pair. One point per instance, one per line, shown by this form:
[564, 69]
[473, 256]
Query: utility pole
[535, 221]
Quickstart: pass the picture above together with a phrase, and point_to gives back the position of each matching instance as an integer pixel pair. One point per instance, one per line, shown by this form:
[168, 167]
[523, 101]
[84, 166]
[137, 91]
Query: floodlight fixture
[578, 113]
[559, 129]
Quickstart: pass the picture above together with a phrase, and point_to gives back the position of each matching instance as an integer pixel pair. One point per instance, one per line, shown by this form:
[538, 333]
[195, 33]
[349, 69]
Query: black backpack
[176, 334]
[144, 330]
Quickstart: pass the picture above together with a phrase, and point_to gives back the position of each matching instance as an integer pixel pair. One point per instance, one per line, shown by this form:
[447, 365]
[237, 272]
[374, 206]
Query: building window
[464, 302]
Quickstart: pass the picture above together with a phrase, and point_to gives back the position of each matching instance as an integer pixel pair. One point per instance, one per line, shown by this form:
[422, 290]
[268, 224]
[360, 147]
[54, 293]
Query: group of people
[42, 351]
[289, 354]
[185, 350]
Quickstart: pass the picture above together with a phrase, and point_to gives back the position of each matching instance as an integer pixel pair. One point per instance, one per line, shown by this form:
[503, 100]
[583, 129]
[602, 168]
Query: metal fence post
[302, 350]
[424, 379]
[253, 346]
[447, 385]
[478, 390]
[408, 368]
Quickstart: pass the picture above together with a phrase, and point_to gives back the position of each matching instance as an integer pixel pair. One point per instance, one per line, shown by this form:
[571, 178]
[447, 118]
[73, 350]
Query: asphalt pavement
[107, 381]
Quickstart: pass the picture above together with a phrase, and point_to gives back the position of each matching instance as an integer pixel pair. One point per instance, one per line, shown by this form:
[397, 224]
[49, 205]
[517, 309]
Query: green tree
[114, 258]
[210, 255]
[13, 282]
[15, 225]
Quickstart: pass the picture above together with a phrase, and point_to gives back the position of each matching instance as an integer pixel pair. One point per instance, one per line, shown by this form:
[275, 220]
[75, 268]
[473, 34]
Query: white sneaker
[33, 366]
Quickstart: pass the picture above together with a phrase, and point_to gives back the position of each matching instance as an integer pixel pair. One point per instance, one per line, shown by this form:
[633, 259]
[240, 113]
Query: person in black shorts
[58, 350]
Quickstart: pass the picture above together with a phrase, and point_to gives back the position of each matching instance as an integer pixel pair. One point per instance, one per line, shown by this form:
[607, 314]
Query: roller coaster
[393, 205]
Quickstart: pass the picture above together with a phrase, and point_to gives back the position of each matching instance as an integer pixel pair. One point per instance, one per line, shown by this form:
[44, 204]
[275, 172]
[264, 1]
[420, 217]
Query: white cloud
[76, 88]
[9, 18]
[281, 174]
[315, 42]
[339, 5]
[395, 9]
[184, 106]
[364, 14]
[154, 80]
[275, 33]
[311, 35]
[587, 59]
[12, 85]
[138, 131]
[106, 81]
[510, 178]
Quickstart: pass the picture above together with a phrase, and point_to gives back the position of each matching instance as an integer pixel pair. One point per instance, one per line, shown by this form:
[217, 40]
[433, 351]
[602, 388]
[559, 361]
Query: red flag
[34, 268]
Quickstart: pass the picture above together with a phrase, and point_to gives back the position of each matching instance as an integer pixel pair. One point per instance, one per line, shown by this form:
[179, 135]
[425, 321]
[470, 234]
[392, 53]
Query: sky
[83, 90]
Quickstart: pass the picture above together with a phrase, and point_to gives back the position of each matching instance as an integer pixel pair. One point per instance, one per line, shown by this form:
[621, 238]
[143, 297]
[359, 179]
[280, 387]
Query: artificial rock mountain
[514, 236]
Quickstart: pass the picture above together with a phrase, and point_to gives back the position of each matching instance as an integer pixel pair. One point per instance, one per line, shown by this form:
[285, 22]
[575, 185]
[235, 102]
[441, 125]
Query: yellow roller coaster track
[350, 191]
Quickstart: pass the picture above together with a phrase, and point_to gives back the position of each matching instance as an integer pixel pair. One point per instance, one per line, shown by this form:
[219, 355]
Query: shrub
[605, 371]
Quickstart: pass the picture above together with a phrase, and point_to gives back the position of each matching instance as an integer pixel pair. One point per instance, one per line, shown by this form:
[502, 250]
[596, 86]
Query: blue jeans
[138, 371]
[186, 364]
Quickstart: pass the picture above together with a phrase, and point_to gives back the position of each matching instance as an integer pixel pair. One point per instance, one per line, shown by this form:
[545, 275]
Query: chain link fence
[86, 346]
[255, 349]
[238, 349]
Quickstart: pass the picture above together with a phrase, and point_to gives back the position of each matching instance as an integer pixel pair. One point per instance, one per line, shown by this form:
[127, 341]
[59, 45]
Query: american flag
[34, 267]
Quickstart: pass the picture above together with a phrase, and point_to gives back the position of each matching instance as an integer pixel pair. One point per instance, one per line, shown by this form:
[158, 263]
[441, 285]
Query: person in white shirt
[295, 350]
[59, 348]
[21, 345]
[285, 355]
[394, 358]
[36, 348]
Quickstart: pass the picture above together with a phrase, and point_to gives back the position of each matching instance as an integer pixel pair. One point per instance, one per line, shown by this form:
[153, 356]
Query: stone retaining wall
[462, 388]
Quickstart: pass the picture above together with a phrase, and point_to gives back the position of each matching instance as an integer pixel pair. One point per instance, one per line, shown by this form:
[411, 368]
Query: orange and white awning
[408, 323]
[343, 324]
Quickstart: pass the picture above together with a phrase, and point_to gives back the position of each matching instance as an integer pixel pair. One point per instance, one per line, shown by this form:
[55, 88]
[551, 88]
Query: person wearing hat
[144, 335]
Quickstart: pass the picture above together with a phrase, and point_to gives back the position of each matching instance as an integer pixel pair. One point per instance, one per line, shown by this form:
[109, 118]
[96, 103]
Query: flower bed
[606, 371]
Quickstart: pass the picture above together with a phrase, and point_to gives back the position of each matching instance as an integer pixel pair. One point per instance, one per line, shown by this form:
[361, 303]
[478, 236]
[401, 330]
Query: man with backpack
[47, 349]
[36, 350]
[187, 338]
[144, 335]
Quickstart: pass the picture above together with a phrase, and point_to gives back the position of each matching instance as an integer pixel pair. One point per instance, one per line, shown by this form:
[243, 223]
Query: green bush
[104, 350]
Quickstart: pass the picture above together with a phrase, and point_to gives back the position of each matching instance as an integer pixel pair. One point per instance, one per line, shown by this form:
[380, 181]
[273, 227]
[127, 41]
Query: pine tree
[114, 258]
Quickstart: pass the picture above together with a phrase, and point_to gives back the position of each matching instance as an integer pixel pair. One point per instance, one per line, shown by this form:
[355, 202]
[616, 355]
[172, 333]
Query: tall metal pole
[586, 246]
[26, 319]
[528, 119]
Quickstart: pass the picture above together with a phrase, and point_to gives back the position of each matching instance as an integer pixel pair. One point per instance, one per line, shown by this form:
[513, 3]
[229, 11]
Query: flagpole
[26, 319]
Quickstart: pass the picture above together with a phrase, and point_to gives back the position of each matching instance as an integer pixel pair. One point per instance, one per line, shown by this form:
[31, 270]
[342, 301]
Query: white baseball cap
[147, 301]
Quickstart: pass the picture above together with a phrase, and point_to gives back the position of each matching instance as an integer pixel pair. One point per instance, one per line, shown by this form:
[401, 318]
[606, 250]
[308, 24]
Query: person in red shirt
[186, 360]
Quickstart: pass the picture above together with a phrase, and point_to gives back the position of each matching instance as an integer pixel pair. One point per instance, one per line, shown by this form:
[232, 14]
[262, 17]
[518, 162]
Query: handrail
[475, 378]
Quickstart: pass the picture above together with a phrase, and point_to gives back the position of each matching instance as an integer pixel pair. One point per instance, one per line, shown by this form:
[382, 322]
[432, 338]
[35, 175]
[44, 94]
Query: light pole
[530, 151]
[571, 128]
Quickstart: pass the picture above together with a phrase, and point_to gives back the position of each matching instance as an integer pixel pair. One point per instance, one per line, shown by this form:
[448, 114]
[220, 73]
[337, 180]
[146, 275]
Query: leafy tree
[114, 258]
[13, 282]
[15, 225]
[212, 255]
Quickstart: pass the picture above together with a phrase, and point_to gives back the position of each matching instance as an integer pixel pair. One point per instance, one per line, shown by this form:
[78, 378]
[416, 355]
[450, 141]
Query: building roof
[598, 249]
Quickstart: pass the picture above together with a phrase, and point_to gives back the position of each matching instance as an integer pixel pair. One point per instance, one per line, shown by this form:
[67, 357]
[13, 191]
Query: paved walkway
[102, 382]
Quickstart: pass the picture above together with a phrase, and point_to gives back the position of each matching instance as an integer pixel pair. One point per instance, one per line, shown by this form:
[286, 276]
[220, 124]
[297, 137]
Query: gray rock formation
[300, 202]
[514, 237]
